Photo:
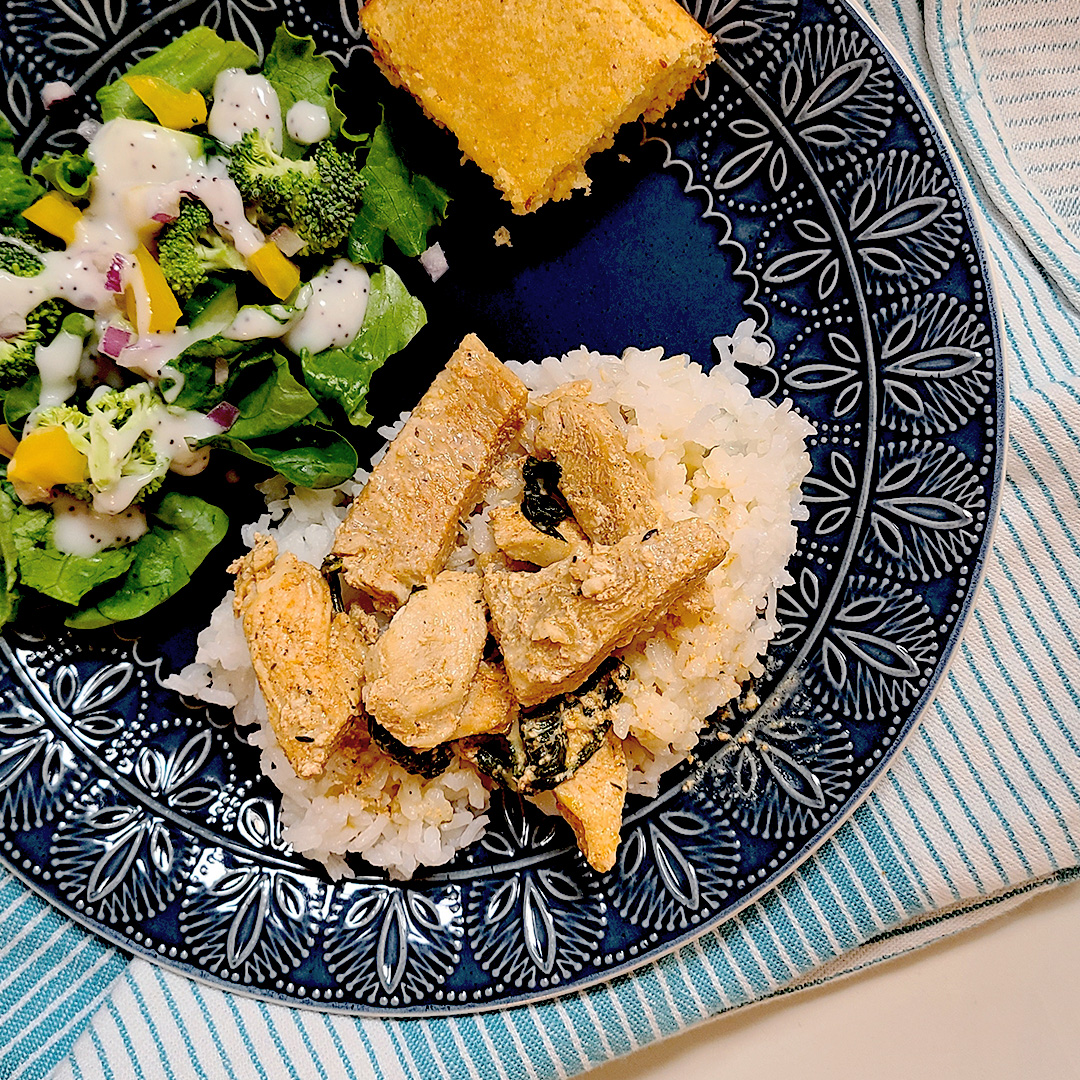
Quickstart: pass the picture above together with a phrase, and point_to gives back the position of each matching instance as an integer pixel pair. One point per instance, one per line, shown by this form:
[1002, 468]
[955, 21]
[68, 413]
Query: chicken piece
[592, 802]
[606, 487]
[490, 706]
[401, 527]
[307, 658]
[557, 625]
[522, 541]
[420, 671]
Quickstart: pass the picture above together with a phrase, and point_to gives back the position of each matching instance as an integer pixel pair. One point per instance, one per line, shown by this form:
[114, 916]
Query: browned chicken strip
[557, 625]
[522, 541]
[490, 707]
[421, 670]
[308, 660]
[402, 526]
[607, 488]
[592, 802]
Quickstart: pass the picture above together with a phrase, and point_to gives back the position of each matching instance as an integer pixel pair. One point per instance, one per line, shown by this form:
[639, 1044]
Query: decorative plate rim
[854, 798]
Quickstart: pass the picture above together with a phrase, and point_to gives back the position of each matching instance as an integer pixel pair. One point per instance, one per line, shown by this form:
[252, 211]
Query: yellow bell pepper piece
[179, 109]
[164, 310]
[46, 458]
[54, 214]
[279, 275]
[8, 442]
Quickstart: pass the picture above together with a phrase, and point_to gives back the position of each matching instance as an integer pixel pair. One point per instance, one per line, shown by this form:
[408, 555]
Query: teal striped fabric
[53, 978]
[980, 808]
[1011, 72]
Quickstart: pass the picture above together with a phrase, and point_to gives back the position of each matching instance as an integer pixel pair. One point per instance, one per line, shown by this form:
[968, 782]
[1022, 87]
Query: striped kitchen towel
[1009, 71]
[981, 807]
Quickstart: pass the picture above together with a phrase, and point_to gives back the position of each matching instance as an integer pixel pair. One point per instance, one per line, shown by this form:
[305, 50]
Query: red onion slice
[114, 341]
[288, 240]
[224, 415]
[163, 218]
[52, 92]
[114, 276]
[434, 262]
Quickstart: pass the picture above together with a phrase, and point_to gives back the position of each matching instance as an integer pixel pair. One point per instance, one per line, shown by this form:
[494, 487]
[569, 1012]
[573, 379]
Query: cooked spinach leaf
[426, 763]
[542, 503]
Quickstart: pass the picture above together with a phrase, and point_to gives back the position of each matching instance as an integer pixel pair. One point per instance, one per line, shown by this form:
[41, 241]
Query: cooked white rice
[711, 450]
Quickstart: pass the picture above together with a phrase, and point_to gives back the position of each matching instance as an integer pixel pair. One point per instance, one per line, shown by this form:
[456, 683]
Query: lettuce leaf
[9, 599]
[343, 376]
[191, 62]
[396, 204]
[17, 190]
[183, 531]
[45, 569]
[67, 172]
[298, 73]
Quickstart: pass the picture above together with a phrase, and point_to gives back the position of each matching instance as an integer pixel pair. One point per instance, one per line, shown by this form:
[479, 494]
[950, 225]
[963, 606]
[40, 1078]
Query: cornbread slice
[532, 88]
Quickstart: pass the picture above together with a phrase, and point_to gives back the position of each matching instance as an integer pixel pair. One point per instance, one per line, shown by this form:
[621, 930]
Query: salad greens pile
[96, 445]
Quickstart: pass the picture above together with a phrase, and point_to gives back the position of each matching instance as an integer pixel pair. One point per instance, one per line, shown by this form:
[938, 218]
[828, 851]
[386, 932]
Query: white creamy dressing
[172, 431]
[58, 363]
[226, 205]
[74, 274]
[151, 354]
[244, 103]
[307, 122]
[142, 170]
[270, 322]
[78, 529]
[173, 428]
[336, 310]
[135, 160]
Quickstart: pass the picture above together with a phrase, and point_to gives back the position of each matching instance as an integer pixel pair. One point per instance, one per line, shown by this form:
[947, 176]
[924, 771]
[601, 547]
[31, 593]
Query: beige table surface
[1001, 1001]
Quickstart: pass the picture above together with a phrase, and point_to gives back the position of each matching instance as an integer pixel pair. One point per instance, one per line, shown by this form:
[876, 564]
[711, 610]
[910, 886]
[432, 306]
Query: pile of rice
[711, 450]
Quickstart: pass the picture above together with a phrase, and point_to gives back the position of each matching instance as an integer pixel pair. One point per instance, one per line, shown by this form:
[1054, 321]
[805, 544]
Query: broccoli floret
[317, 196]
[115, 431]
[189, 249]
[17, 350]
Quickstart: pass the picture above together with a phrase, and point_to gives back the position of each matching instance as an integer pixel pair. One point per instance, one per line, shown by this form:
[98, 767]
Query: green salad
[205, 279]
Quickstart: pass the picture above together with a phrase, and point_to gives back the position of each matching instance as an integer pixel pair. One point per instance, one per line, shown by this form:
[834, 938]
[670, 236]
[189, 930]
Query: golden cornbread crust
[532, 88]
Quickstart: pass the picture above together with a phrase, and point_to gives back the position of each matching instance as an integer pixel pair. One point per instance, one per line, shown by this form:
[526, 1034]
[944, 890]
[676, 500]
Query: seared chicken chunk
[421, 670]
[401, 527]
[307, 658]
[490, 706]
[557, 625]
[606, 487]
[522, 541]
[592, 802]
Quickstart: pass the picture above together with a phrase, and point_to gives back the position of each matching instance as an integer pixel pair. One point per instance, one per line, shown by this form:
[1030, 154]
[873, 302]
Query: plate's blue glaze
[801, 185]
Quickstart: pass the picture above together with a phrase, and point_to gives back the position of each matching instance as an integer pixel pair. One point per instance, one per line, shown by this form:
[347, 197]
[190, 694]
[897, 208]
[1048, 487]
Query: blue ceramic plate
[803, 185]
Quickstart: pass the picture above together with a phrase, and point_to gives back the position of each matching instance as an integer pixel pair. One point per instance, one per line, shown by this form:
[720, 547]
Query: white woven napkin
[1009, 74]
